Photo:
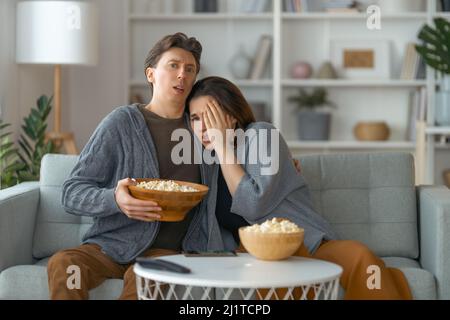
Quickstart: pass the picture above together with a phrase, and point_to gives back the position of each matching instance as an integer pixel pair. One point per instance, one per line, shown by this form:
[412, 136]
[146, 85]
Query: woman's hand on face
[222, 123]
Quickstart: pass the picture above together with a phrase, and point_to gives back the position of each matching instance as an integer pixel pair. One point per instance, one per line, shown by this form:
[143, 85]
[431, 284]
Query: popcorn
[275, 225]
[165, 185]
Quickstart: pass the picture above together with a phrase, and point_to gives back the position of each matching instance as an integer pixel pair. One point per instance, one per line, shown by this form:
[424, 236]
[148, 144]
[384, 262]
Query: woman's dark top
[228, 220]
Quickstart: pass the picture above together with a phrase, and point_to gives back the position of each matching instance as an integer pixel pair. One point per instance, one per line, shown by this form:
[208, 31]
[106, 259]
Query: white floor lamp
[57, 33]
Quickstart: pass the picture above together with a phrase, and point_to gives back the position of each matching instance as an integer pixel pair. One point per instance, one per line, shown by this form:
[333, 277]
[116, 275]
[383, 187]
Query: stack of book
[255, 6]
[341, 6]
[295, 5]
[205, 6]
[413, 66]
[261, 58]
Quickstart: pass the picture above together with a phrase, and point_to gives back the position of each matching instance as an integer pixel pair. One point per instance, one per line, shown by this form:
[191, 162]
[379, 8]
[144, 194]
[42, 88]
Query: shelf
[200, 16]
[359, 16]
[353, 83]
[240, 83]
[442, 14]
[351, 144]
[437, 130]
[253, 83]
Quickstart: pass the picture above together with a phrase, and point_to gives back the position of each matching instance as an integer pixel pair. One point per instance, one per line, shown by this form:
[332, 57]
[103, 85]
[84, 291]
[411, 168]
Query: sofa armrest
[18, 207]
[434, 220]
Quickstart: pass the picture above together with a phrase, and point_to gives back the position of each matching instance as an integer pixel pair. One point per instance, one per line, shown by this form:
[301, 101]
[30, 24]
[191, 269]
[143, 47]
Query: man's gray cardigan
[122, 147]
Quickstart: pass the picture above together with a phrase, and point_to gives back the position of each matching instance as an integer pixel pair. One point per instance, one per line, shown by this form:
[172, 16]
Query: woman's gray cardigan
[259, 196]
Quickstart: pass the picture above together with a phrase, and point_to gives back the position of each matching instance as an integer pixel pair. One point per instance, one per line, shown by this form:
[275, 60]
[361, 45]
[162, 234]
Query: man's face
[173, 76]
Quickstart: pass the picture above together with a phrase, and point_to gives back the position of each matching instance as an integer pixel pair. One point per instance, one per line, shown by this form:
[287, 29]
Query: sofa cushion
[421, 282]
[367, 197]
[55, 228]
[30, 282]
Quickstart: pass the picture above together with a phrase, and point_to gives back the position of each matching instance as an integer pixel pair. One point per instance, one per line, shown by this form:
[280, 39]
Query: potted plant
[8, 158]
[314, 117]
[435, 52]
[19, 165]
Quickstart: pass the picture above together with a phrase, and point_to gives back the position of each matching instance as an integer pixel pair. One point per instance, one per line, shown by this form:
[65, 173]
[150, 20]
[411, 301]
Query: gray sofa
[367, 197]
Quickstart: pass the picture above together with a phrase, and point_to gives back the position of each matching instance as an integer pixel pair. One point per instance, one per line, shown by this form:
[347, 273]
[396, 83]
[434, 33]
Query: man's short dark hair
[177, 40]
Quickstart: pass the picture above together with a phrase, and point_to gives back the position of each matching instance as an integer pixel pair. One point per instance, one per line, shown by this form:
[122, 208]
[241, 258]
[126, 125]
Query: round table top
[244, 271]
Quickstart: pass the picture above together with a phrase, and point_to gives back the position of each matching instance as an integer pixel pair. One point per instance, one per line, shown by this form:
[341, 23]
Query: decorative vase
[301, 70]
[442, 106]
[240, 64]
[371, 131]
[313, 125]
[327, 71]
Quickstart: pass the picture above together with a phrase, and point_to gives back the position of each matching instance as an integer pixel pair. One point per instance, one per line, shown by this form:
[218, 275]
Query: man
[132, 141]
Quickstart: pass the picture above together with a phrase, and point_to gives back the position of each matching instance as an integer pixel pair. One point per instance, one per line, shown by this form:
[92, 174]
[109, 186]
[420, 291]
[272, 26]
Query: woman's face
[197, 108]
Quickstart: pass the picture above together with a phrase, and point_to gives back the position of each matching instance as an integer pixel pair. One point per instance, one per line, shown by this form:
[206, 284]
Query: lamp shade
[57, 32]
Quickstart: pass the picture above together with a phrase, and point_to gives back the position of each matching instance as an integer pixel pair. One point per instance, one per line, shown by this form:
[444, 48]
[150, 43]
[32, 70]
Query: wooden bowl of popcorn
[275, 239]
[176, 198]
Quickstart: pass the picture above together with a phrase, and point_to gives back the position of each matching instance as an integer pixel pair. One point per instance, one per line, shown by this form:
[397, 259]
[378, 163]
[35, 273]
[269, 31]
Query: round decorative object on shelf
[301, 70]
[371, 131]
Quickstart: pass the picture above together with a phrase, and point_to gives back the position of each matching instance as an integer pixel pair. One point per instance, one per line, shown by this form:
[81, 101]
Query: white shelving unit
[296, 37]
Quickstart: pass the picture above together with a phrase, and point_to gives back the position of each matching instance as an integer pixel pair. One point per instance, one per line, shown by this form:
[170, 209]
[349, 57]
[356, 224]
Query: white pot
[442, 106]
[399, 6]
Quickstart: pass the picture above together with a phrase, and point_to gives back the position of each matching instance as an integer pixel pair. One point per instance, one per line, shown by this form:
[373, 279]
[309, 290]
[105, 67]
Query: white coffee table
[242, 275]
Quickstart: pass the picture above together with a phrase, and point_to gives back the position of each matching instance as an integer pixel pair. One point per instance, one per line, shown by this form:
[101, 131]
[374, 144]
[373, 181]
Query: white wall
[20, 85]
[90, 93]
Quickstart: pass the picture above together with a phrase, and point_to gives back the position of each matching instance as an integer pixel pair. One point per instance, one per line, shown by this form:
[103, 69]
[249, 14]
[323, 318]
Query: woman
[247, 194]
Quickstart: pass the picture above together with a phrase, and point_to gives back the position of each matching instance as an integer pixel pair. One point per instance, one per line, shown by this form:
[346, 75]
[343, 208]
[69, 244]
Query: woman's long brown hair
[229, 97]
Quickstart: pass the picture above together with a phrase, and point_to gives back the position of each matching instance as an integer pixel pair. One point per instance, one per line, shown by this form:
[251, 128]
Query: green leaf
[27, 176]
[8, 154]
[4, 135]
[7, 145]
[25, 142]
[3, 126]
[16, 166]
[25, 149]
[435, 50]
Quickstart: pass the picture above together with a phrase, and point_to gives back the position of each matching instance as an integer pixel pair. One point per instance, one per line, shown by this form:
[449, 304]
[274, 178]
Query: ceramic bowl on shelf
[174, 204]
[371, 131]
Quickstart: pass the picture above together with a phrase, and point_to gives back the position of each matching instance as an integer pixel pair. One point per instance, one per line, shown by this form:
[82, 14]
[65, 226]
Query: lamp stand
[65, 139]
